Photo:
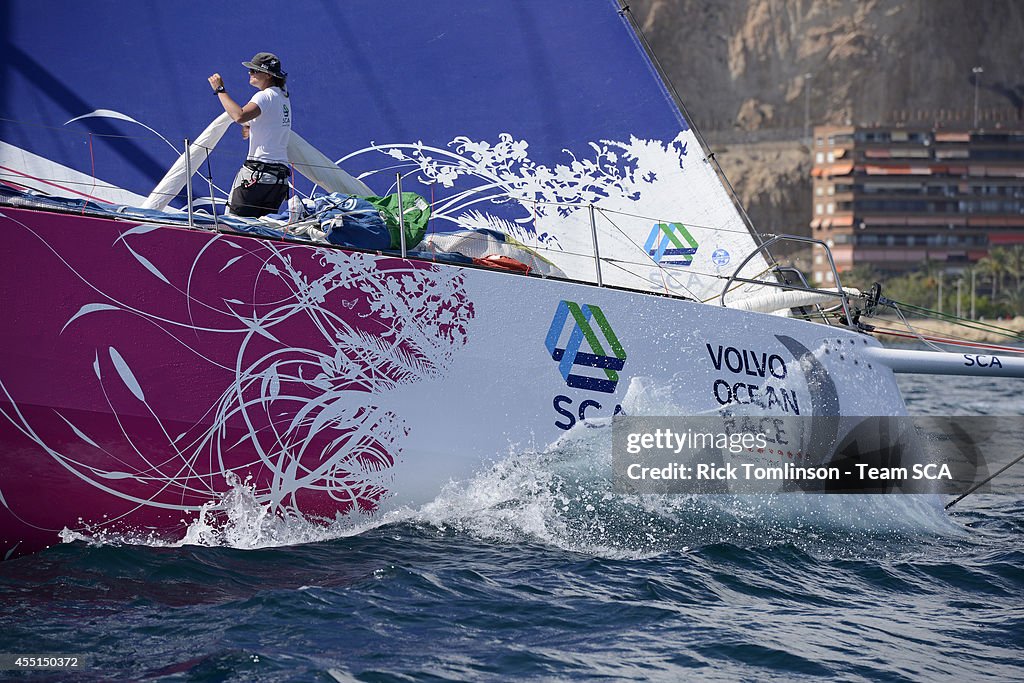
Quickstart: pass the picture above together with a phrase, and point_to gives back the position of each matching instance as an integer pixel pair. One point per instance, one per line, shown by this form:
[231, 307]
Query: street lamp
[977, 71]
[959, 288]
[807, 106]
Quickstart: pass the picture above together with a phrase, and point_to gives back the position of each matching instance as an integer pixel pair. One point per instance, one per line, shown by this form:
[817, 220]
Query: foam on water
[238, 519]
[562, 496]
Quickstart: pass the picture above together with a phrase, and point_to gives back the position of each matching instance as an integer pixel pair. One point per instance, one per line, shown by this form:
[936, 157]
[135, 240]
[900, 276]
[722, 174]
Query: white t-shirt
[269, 132]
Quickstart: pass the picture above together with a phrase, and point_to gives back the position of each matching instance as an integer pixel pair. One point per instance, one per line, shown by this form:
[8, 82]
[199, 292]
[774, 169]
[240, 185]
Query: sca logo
[595, 369]
[671, 244]
[572, 360]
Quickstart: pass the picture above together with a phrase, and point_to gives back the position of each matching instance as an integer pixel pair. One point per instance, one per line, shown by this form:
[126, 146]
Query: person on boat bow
[262, 182]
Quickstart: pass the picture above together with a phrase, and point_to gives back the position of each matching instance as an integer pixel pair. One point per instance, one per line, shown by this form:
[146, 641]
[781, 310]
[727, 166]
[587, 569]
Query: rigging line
[940, 314]
[911, 328]
[1015, 336]
[62, 129]
[624, 10]
[117, 136]
[980, 484]
[758, 237]
[952, 342]
[664, 272]
[11, 176]
[980, 327]
[688, 224]
[605, 210]
[937, 336]
[807, 316]
[740, 284]
[213, 200]
[50, 181]
[9, 173]
[696, 273]
[92, 162]
[632, 289]
[966, 322]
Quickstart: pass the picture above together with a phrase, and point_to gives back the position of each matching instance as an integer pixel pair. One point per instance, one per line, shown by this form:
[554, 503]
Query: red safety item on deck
[503, 263]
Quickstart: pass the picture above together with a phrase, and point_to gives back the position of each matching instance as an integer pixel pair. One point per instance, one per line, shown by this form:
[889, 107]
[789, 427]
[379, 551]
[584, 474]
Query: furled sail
[198, 151]
[306, 159]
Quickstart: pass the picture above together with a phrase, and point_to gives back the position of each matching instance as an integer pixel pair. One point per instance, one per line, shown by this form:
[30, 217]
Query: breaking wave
[562, 496]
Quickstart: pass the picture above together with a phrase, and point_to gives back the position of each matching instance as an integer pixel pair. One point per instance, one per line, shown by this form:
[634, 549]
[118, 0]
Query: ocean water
[535, 570]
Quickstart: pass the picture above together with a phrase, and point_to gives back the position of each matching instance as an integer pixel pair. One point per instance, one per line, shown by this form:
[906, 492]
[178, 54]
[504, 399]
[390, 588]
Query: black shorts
[259, 189]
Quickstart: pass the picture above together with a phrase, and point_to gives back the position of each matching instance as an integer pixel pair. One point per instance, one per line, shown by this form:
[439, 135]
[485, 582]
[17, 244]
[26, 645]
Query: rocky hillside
[754, 74]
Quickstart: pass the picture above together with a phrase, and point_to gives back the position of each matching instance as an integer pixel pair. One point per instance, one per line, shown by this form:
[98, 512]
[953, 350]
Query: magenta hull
[143, 366]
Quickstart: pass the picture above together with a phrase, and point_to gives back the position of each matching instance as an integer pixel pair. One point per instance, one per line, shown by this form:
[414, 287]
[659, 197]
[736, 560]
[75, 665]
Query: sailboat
[157, 354]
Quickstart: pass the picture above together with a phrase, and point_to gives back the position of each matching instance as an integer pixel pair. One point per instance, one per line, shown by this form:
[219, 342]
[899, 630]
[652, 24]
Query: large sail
[545, 123]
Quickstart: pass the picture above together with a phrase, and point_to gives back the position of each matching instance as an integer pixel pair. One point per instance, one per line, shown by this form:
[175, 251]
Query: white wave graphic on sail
[663, 219]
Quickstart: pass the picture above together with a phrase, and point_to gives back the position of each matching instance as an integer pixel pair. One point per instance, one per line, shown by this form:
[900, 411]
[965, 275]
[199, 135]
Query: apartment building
[893, 197]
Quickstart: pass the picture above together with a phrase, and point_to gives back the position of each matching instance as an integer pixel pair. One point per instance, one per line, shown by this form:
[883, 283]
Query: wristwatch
[220, 90]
